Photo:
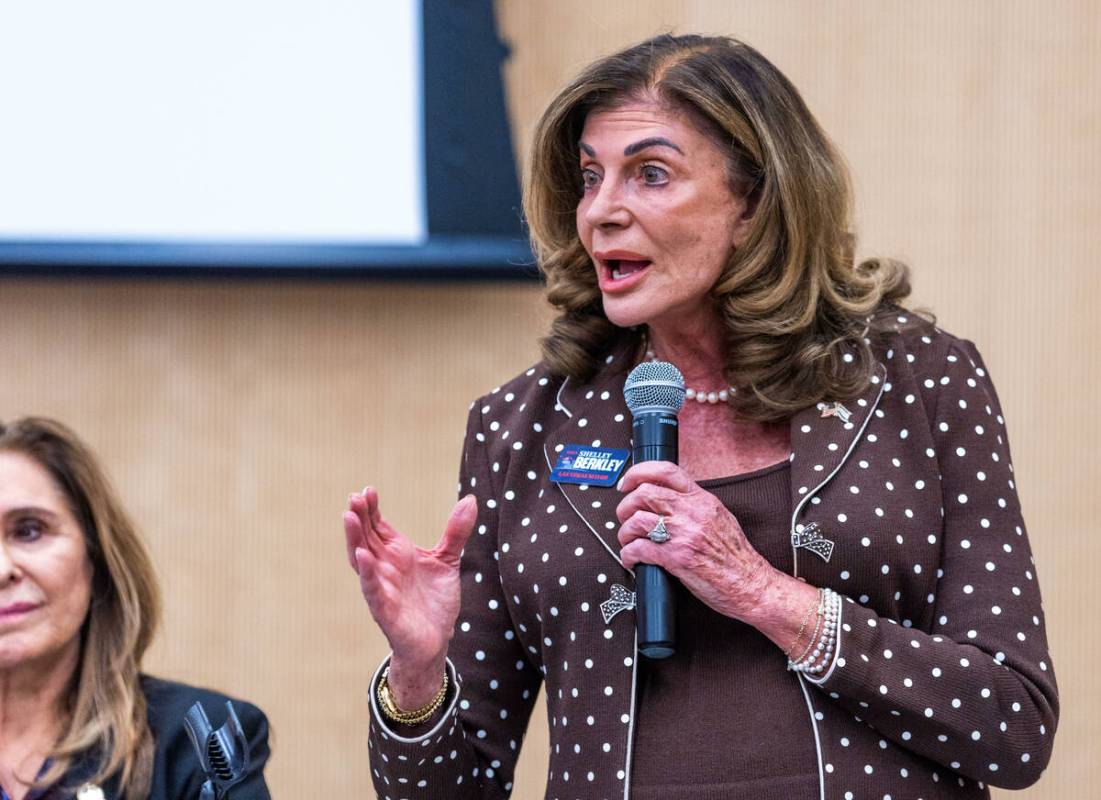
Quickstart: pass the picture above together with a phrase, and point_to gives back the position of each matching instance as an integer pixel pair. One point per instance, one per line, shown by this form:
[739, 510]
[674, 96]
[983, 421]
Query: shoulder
[529, 399]
[531, 389]
[924, 350]
[168, 701]
[928, 363]
[538, 395]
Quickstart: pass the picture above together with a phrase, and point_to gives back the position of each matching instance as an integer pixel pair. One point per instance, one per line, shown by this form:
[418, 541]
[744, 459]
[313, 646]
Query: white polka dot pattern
[946, 656]
[473, 754]
[941, 683]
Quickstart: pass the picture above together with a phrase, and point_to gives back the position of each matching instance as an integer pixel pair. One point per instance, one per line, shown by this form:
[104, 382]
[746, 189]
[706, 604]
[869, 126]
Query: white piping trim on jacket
[558, 399]
[828, 478]
[795, 573]
[817, 740]
[581, 516]
[631, 723]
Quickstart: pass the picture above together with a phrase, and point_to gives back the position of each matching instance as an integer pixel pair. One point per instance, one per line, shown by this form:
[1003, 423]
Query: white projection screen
[207, 134]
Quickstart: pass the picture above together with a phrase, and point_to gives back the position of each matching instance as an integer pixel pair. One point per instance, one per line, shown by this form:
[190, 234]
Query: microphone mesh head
[654, 386]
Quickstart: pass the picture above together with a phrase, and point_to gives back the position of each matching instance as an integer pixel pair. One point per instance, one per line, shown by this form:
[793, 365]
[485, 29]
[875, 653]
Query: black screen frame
[474, 218]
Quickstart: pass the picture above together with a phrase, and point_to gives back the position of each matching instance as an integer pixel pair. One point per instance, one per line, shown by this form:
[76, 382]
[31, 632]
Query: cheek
[715, 228]
[701, 228]
[67, 594]
[700, 253]
[70, 587]
[584, 232]
[82, 594]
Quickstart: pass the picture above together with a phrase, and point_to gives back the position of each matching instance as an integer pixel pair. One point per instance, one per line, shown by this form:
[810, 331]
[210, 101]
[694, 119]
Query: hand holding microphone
[655, 393]
[672, 528]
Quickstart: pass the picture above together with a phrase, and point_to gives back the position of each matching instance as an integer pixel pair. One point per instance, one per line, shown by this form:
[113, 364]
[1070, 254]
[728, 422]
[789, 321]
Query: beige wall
[235, 417]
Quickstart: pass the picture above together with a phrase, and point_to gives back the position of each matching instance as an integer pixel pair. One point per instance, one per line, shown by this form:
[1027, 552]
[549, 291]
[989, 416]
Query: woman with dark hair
[78, 608]
[858, 614]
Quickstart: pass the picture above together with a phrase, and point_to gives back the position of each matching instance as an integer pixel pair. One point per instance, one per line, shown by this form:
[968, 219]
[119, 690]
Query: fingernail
[364, 492]
[619, 486]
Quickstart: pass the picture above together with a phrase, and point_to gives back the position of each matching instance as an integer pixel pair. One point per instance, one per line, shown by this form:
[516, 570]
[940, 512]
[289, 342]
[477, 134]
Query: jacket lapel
[595, 414]
[822, 438]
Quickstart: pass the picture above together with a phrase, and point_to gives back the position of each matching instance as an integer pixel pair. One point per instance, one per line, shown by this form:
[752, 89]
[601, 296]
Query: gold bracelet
[395, 714]
[802, 627]
[817, 627]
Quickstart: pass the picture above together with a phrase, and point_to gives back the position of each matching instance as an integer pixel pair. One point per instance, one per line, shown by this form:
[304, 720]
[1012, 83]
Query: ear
[746, 209]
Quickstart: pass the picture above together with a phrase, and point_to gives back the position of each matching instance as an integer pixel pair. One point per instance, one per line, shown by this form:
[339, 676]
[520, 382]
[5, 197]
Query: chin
[626, 314]
[14, 653]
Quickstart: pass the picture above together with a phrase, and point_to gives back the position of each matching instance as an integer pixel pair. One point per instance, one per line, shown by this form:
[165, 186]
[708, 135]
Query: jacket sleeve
[471, 750]
[977, 692]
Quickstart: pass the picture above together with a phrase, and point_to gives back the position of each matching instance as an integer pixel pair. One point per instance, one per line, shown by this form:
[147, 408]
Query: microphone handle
[655, 439]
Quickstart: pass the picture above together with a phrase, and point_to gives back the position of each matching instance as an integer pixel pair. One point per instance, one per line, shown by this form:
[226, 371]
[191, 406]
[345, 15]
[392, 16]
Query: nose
[605, 205]
[8, 570]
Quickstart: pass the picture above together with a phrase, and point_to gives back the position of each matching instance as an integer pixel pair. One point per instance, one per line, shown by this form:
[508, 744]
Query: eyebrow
[653, 141]
[637, 147]
[23, 511]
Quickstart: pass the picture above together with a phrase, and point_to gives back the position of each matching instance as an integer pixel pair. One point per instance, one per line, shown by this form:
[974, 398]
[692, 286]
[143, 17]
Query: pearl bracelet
[816, 658]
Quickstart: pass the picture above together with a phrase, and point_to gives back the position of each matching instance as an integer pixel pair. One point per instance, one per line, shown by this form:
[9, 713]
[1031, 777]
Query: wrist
[783, 603]
[413, 683]
[393, 712]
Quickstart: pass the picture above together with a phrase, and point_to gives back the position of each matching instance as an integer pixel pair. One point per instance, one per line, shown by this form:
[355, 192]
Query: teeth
[619, 274]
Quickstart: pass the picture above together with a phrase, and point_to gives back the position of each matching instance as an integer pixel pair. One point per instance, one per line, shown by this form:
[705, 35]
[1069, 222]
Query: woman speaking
[78, 608]
[857, 609]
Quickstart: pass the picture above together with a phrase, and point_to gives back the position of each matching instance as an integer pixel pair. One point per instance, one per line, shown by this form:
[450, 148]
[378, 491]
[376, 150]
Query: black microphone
[223, 753]
[655, 393]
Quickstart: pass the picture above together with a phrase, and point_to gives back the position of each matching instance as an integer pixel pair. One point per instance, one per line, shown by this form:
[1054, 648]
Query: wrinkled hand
[413, 593]
[707, 550]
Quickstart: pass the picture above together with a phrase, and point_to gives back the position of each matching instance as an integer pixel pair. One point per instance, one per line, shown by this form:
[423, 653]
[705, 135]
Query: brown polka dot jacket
[942, 682]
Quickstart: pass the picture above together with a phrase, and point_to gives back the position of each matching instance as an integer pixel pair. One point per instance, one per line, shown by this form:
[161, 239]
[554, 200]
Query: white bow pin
[621, 600]
[812, 539]
[835, 410]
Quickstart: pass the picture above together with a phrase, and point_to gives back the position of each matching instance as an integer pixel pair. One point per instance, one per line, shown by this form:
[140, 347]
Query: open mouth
[622, 268]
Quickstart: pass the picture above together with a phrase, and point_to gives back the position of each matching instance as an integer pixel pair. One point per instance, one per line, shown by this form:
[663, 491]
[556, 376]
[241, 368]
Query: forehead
[25, 482]
[641, 114]
[609, 130]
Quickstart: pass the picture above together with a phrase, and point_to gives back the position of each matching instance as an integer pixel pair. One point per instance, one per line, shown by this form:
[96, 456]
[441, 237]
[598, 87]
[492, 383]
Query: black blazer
[176, 771]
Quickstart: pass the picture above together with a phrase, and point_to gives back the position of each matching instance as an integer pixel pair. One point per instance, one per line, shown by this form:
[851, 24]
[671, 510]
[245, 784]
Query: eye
[653, 175]
[589, 178]
[29, 529]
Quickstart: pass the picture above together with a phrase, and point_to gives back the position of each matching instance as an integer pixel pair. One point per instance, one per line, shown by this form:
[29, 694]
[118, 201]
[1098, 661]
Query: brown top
[727, 688]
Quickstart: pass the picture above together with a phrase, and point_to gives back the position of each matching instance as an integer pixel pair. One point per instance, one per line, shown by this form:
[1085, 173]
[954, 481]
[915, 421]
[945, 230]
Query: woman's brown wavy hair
[106, 709]
[800, 315]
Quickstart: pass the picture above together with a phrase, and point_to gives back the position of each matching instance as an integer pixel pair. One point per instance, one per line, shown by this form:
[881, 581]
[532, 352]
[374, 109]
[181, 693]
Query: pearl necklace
[699, 395]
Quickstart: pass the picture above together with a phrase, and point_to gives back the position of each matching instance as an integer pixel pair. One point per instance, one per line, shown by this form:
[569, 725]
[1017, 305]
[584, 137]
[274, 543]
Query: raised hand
[413, 593]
